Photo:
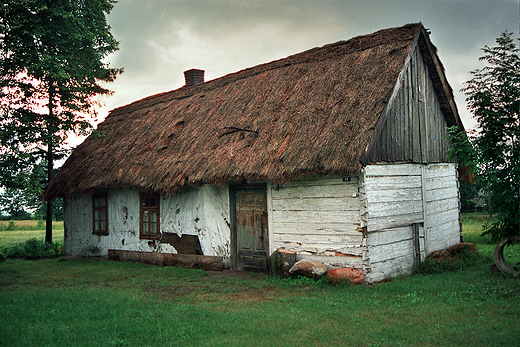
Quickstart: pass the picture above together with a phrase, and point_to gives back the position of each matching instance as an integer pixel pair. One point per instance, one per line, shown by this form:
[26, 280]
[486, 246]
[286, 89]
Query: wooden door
[249, 227]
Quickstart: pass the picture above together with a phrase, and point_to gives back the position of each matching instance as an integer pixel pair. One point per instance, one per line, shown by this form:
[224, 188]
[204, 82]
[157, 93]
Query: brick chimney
[193, 77]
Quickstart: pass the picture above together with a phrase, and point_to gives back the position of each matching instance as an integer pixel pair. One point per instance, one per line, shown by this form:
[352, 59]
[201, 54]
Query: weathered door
[249, 227]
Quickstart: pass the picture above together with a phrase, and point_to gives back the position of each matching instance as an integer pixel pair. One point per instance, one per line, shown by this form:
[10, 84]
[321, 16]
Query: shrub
[454, 258]
[35, 249]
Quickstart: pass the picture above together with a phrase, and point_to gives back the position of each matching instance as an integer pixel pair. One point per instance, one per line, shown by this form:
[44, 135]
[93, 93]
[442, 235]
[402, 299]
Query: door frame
[233, 188]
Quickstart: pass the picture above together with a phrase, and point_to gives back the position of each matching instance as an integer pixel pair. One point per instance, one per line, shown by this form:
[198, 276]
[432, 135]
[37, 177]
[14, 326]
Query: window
[100, 213]
[149, 216]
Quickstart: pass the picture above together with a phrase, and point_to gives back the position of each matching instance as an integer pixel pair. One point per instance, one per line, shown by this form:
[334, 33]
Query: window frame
[142, 222]
[104, 208]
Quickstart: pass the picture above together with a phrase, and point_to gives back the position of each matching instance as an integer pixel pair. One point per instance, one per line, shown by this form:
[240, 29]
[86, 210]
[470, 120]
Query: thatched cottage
[337, 153]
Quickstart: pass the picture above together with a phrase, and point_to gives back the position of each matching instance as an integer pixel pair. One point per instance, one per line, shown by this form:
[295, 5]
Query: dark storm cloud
[162, 38]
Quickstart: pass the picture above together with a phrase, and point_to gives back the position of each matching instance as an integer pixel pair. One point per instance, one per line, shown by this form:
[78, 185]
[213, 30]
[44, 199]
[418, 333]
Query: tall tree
[52, 64]
[493, 96]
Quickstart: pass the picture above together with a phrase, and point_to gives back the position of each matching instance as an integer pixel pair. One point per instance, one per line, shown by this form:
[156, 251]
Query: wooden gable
[413, 127]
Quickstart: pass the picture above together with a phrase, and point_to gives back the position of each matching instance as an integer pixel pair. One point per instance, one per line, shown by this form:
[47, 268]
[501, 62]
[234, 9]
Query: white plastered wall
[203, 212]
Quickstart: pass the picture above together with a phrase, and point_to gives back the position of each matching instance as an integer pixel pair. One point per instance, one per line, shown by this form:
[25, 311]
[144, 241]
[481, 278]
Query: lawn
[93, 302]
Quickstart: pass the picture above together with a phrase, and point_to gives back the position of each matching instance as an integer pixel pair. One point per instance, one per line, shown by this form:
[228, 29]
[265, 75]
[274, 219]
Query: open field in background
[88, 302]
[25, 230]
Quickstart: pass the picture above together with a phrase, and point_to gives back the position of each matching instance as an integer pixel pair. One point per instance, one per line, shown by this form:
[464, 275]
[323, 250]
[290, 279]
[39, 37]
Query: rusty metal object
[500, 260]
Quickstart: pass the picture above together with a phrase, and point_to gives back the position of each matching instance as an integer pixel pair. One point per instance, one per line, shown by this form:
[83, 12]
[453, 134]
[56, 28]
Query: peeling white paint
[203, 212]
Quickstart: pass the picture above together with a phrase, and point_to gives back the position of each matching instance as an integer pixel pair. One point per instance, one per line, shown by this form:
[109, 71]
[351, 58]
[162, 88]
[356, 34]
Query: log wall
[409, 210]
[318, 217]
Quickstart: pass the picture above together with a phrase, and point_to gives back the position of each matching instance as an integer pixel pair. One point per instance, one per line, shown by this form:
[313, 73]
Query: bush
[454, 258]
[35, 249]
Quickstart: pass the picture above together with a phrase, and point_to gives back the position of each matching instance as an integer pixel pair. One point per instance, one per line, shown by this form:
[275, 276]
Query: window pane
[102, 215]
[145, 228]
[96, 226]
[96, 215]
[103, 226]
[145, 216]
[152, 202]
[153, 216]
[153, 228]
[99, 202]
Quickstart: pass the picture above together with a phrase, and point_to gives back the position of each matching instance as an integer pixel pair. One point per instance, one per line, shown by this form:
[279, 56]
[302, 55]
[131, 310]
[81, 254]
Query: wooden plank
[327, 191]
[441, 194]
[439, 170]
[438, 206]
[378, 210]
[384, 183]
[319, 181]
[318, 248]
[441, 182]
[311, 238]
[393, 170]
[394, 195]
[394, 250]
[390, 268]
[315, 204]
[442, 218]
[332, 262]
[316, 216]
[192, 261]
[387, 222]
[299, 227]
[440, 230]
[389, 236]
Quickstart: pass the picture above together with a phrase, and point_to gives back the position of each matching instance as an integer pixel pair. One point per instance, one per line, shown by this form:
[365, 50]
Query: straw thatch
[312, 112]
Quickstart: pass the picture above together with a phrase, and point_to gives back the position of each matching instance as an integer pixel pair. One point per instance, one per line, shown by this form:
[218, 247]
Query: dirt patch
[259, 276]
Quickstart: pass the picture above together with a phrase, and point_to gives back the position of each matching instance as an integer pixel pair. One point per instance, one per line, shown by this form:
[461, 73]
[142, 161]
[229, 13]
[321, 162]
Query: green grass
[472, 232]
[25, 230]
[55, 302]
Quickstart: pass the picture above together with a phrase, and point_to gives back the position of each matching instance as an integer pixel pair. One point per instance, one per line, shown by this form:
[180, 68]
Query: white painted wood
[389, 236]
[315, 216]
[393, 170]
[395, 208]
[312, 204]
[393, 195]
[300, 227]
[438, 206]
[390, 251]
[324, 191]
[394, 182]
[386, 222]
[390, 268]
[310, 181]
[438, 194]
[329, 239]
[334, 261]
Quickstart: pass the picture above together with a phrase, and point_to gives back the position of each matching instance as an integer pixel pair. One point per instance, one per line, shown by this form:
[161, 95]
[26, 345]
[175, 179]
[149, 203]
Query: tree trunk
[50, 162]
[48, 219]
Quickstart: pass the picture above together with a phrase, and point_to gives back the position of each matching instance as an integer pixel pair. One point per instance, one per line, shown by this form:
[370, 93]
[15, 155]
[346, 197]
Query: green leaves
[51, 68]
[493, 96]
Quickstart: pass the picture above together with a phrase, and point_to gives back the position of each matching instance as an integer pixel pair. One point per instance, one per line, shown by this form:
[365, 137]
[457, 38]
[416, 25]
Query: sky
[160, 39]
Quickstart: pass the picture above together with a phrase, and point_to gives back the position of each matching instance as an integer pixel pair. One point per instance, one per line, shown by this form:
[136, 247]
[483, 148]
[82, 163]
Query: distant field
[25, 230]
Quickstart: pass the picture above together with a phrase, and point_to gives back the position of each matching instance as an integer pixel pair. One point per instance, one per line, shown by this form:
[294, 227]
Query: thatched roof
[309, 113]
